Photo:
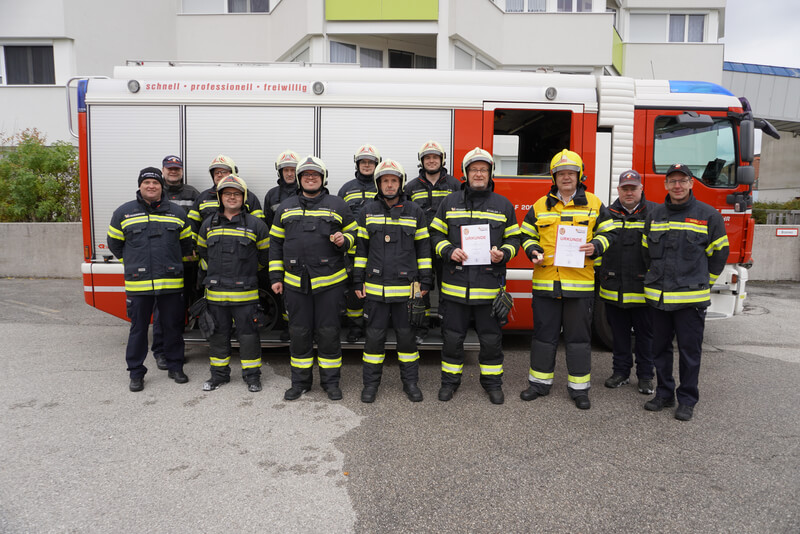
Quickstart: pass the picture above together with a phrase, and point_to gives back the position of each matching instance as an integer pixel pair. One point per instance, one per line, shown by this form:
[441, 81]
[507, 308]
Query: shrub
[38, 183]
[760, 209]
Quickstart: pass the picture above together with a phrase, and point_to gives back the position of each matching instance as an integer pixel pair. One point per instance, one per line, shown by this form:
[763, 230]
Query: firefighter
[357, 193]
[178, 192]
[685, 247]
[428, 190]
[563, 296]
[150, 235]
[232, 245]
[184, 196]
[207, 203]
[392, 253]
[285, 165]
[469, 290]
[310, 235]
[621, 279]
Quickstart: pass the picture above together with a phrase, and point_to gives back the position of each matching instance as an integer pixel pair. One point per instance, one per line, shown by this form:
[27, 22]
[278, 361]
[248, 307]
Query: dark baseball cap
[172, 162]
[681, 168]
[630, 177]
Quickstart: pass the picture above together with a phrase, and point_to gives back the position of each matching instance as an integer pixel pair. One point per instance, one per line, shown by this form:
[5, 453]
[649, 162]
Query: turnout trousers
[550, 316]
[379, 317]
[170, 308]
[189, 296]
[687, 325]
[313, 314]
[621, 320]
[219, 344]
[455, 322]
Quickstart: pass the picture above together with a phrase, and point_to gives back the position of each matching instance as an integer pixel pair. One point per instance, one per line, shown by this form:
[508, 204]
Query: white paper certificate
[568, 243]
[475, 242]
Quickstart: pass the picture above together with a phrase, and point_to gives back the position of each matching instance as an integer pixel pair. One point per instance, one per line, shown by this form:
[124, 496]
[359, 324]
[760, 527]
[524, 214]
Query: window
[677, 24]
[424, 62]
[646, 28]
[681, 26]
[537, 6]
[248, 6]
[574, 6]
[399, 59]
[29, 65]
[342, 52]
[371, 58]
[525, 140]
[696, 24]
[515, 6]
[709, 152]
[659, 28]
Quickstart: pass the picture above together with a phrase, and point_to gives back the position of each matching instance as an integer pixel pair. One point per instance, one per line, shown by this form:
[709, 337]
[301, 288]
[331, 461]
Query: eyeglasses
[232, 194]
[673, 183]
[479, 171]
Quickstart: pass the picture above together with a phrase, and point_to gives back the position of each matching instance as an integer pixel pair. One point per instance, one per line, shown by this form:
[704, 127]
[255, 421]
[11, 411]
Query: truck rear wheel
[602, 330]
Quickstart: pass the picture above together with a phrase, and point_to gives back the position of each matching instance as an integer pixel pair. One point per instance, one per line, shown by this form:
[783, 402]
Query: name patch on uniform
[696, 221]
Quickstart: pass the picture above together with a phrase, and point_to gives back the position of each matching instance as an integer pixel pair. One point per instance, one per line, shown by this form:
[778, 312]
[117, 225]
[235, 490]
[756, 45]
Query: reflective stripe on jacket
[231, 251]
[301, 254]
[275, 196]
[621, 269]
[150, 240]
[392, 250]
[207, 204]
[474, 284]
[540, 231]
[357, 193]
[685, 247]
[428, 196]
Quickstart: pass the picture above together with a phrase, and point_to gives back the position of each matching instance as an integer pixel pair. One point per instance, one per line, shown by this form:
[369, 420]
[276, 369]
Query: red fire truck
[252, 113]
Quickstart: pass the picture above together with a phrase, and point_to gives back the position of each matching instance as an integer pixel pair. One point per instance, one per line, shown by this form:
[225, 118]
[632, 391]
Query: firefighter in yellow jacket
[563, 295]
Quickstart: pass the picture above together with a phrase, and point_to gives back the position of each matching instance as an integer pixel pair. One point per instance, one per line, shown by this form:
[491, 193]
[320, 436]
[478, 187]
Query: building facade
[44, 44]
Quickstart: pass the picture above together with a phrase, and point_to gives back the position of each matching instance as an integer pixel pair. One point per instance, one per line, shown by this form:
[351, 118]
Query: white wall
[41, 107]
[107, 33]
[41, 18]
[778, 170]
[674, 61]
[524, 40]
[247, 37]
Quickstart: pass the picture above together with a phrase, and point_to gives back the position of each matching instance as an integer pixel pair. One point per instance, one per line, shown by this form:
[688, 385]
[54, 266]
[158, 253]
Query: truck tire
[268, 302]
[602, 331]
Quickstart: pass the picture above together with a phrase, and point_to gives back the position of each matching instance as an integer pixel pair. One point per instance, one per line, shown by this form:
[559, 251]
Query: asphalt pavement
[80, 453]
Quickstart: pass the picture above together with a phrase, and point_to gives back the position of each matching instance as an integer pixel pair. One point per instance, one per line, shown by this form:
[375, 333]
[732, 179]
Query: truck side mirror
[747, 140]
[746, 175]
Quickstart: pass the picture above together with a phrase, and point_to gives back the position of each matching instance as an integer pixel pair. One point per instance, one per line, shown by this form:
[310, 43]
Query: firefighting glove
[416, 312]
[205, 320]
[501, 306]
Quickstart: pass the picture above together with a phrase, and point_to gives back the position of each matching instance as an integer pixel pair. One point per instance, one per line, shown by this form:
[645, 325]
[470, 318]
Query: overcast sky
[766, 32]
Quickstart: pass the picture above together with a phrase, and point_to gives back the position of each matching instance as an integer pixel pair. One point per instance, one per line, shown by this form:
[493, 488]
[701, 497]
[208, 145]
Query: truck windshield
[709, 152]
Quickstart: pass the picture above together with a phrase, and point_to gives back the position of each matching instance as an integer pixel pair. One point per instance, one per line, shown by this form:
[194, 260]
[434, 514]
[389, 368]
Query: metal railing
[783, 216]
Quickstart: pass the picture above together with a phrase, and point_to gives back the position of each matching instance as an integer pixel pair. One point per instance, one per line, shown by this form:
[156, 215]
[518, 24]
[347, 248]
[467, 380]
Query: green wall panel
[381, 10]
[617, 51]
